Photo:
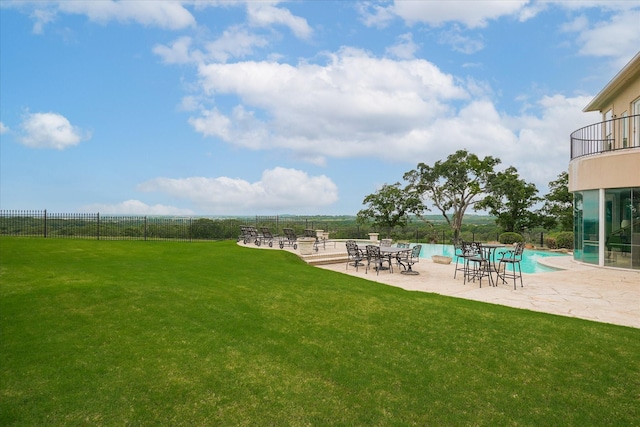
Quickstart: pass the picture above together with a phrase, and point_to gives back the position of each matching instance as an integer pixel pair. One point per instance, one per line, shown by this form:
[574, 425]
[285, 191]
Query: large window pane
[635, 228]
[590, 225]
[617, 225]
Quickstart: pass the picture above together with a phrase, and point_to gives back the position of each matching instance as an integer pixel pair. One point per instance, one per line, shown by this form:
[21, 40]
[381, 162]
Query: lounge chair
[289, 238]
[266, 237]
[249, 234]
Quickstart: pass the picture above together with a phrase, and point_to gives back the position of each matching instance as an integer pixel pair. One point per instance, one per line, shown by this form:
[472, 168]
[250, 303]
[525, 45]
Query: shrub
[551, 243]
[510, 238]
[565, 240]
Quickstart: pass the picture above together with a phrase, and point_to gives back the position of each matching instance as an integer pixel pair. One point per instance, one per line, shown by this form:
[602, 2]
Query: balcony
[622, 133]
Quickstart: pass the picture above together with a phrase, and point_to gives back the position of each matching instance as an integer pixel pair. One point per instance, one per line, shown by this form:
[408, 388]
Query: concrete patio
[577, 290]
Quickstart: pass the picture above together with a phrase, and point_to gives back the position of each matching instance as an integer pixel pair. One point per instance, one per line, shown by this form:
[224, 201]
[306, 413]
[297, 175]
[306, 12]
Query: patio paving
[578, 290]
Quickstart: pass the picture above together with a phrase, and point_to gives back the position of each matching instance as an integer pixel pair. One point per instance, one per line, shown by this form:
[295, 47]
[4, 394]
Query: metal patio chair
[355, 255]
[375, 257]
[512, 258]
[409, 258]
[481, 265]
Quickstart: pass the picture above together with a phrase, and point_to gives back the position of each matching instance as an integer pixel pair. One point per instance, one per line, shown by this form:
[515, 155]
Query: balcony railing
[621, 133]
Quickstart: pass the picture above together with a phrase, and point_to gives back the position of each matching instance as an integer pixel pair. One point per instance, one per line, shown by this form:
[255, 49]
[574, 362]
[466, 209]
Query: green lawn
[209, 333]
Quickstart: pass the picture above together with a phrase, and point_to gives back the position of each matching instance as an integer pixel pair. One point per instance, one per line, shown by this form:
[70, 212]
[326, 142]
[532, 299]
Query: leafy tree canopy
[509, 199]
[558, 206]
[452, 186]
[389, 207]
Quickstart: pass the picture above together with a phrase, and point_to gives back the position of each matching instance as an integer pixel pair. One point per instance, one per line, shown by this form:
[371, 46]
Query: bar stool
[481, 265]
[513, 258]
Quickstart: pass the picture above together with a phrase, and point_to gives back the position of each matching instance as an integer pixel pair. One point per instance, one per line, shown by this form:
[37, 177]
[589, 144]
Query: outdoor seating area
[560, 292]
[491, 263]
[478, 261]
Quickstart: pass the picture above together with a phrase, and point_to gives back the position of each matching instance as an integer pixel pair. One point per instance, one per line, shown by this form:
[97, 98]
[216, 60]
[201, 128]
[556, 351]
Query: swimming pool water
[529, 262]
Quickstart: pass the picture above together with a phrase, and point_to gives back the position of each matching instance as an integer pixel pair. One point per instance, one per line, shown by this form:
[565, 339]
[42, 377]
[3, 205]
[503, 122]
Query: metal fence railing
[621, 133]
[41, 223]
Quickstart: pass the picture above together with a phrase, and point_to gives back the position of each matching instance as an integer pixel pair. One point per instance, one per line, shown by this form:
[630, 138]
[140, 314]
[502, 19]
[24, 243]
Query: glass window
[634, 212]
[618, 227]
[586, 225]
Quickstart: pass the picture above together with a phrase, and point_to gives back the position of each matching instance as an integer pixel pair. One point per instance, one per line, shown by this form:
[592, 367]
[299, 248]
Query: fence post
[145, 227]
[45, 223]
[98, 226]
[542, 239]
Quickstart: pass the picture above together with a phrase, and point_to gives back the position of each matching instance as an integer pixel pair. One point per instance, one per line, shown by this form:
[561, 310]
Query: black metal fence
[41, 223]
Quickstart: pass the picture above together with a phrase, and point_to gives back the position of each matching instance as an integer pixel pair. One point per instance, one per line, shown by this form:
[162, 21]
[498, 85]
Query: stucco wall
[617, 169]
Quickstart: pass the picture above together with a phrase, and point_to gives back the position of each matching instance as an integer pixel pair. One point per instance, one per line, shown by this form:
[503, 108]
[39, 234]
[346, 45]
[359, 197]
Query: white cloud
[354, 102]
[358, 106]
[178, 52]
[542, 148]
[3, 128]
[135, 207]
[265, 14]
[50, 130]
[167, 14]
[460, 42]
[405, 48]
[617, 38]
[375, 15]
[235, 42]
[41, 18]
[279, 190]
[472, 14]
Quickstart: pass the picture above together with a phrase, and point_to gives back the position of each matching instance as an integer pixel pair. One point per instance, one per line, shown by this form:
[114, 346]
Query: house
[604, 175]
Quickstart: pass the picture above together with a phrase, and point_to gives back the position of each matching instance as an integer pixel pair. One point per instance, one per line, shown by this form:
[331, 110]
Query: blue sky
[305, 107]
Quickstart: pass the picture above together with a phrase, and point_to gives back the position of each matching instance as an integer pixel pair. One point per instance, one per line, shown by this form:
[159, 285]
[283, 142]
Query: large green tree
[389, 207]
[452, 186]
[510, 200]
[557, 210]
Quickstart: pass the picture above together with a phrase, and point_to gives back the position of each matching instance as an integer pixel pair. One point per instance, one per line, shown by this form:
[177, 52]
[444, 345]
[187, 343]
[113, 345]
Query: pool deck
[577, 290]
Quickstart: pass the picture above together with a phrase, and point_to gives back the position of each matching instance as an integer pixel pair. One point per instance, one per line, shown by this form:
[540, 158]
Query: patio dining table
[489, 252]
[390, 251]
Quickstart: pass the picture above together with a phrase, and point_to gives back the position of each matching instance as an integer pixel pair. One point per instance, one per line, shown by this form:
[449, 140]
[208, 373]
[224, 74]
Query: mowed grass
[174, 333]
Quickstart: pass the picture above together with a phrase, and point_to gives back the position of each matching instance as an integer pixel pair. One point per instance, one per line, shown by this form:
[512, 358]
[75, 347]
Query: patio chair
[481, 265]
[409, 258]
[386, 243]
[462, 251]
[513, 258]
[375, 257]
[355, 256]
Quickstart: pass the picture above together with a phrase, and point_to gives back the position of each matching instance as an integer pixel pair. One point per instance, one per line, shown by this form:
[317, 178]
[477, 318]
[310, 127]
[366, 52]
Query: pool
[529, 262]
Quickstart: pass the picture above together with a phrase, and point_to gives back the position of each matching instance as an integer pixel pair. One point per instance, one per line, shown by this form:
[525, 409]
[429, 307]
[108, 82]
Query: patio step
[321, 258]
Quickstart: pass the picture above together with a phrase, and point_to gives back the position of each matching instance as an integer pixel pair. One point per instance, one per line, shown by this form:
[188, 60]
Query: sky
[211, 107]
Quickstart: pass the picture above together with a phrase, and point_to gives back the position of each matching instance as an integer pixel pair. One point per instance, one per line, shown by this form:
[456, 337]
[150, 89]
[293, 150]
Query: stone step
[325, 258]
